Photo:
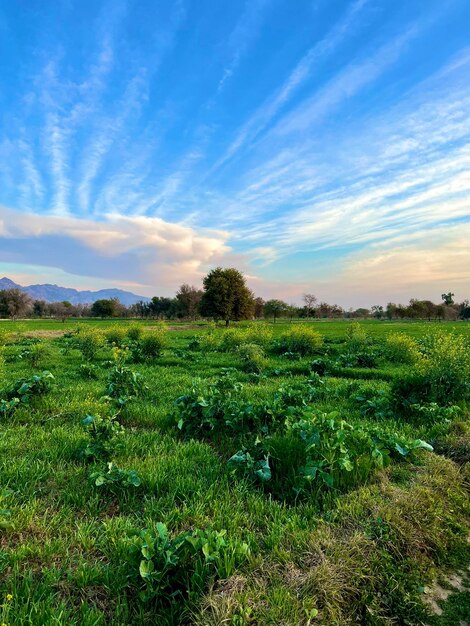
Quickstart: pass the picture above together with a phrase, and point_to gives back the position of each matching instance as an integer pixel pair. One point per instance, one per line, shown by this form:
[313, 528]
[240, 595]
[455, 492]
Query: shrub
[115, 335]
[89, 342]
[37, 353]
[134, 332]
[401, 348]
[441, 376]
[166, 569]
[105, 435]
[446, 367]
[253, 357]
[300, 340]
[123, 385]
[356, 335]
[150, 346]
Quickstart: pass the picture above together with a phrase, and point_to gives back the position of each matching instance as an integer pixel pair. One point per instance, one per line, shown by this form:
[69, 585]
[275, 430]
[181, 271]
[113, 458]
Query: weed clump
[300, 340]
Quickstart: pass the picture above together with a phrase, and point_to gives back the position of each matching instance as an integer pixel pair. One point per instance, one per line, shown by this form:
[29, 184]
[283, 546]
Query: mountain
[54, 293]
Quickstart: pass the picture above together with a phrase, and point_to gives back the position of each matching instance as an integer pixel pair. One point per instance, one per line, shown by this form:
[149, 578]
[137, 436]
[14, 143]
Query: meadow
[261, 474]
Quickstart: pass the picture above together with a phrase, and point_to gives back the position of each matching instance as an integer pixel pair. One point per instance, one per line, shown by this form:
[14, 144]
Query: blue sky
[319, 146]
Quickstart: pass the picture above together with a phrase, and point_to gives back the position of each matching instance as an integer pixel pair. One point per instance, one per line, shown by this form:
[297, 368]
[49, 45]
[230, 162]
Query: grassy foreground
[286, 486]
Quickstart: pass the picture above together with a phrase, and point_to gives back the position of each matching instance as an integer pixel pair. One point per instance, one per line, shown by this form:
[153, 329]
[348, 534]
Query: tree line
[225, 296]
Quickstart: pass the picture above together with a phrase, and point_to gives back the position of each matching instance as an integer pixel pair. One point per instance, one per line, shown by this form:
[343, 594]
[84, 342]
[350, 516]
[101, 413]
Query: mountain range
[54, 293]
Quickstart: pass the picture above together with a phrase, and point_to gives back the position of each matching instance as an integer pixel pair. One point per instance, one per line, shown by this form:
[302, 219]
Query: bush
[446, 367]
[89, 342]
[401, 348]
[356, 335]
[441, 376]
[105, 435]
[134, 332]
[253, 357]
[231, 339]
[300, 340]
[115, 335]
[123, 385]
[150, 346]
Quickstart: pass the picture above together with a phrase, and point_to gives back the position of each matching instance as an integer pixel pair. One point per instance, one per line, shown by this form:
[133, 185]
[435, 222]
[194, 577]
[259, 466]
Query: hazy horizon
[318, 147]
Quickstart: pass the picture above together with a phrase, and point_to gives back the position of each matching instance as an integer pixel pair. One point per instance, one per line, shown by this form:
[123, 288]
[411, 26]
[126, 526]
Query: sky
[319, 146]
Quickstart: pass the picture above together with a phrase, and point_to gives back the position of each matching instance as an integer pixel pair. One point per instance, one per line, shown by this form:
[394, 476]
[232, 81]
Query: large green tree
[226, 296]
[275, 308]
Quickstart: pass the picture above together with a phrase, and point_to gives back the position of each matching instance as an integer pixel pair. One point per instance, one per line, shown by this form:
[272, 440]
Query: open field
[312, 473]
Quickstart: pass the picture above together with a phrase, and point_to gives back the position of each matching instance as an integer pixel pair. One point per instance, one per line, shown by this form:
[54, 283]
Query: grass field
[292, 483]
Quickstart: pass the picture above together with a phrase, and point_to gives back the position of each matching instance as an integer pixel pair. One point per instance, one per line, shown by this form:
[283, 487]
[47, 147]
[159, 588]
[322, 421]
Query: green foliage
[89, 343]
[226, 296]
[37, 353]
[115, 335]
[252, 464]
[123, 385]
[5, 513]
[446, 367]
[27, 388]
[105, 436]
[253, 358]
[150, 346]
[339, 455]
[401, 348]
[301, 340]
[166, 569]
[88, 371]
[114, 478]
[134, 332]
[375, 404]
[431, 412]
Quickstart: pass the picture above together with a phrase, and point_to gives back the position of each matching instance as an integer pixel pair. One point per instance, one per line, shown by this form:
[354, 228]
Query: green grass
[357, 556]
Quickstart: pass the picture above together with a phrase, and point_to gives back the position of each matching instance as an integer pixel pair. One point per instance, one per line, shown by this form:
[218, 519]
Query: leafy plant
[134, 332]
[88, 371]
[123, 385]
[401, 348]
[115, 335]
[339, 455]
[89, 343]
[254, 465]
[105, 436]
[24, 389]
[376, 405]
[113, 477]
[166, 568]
[150, 346]
[253, 357]
[300, 340]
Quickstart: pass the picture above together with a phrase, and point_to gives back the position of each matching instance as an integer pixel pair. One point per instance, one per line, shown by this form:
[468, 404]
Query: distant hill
[54, 293]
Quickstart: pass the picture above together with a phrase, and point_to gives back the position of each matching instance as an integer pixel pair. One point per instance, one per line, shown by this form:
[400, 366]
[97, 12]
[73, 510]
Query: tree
[104, 308]
[378, 311]
[448, 298]
[14, 303]
[189, 298]
[309, 300]
[226, 296]
[275, 308]
[259, 308]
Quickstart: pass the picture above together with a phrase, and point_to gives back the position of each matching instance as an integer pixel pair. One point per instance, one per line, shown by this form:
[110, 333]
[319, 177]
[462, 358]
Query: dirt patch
[43, 333]
[435, 594]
